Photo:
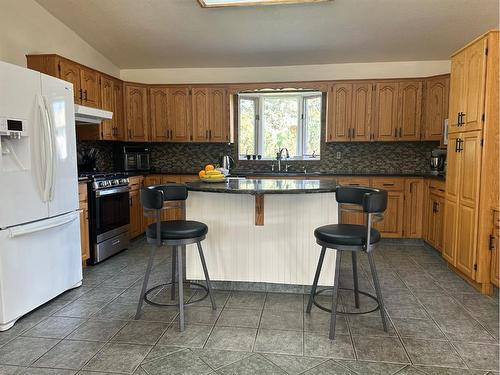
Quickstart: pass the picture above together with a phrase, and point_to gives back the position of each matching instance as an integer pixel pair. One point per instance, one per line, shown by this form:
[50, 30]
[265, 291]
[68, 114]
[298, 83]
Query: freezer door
[38, 261]
[62, 170]
[20, 193]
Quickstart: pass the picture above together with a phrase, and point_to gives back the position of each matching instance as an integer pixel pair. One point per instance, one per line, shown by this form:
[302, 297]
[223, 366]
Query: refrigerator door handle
[50, 171]
[42, 149]
[42, 225]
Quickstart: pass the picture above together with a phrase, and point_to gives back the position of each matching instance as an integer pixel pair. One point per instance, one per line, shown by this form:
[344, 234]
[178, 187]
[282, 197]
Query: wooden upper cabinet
[219, 111]
[386, 111]
[339, 126]
[179, 113]
[436, 108]
[107, 103]
[200, 114]
[70, 71]
[457, 91]
[475, 82]
[136, 112]
[89, 81]
[118, 113]
[362, 111]
[158, 112]
[410, 110]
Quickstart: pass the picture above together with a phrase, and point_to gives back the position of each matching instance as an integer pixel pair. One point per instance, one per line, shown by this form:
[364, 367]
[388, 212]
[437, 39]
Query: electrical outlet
[339, 155]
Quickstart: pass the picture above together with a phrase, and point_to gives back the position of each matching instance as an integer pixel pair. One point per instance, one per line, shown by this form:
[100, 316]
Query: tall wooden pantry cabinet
[472, 170]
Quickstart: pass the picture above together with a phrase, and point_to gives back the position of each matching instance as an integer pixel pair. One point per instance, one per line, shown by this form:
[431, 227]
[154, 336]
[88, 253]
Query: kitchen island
[261, 230]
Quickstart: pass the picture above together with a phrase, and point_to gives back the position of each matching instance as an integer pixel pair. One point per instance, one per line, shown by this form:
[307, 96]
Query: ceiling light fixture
[247, 3]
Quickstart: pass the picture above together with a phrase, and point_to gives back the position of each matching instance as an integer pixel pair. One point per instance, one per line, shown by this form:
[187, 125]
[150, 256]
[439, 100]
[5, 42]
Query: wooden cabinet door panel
[453, 167]
[439, 223]
[353, 217]
[391, 226]
[70, 72]
[89, 80]
[436, 108]
[158, 101]
[179, 114]
[361, 111]
[118, 111]
[410, 110]
[475, 68]
[136, 114]
[218, 108]
[450, 230]
[107, 103]
[466, 239]
[386, 110]
[457, 91]
[136, 225]
[200, 114]
[470, 159]
[340, 113]
[84, 231]
[414, 210]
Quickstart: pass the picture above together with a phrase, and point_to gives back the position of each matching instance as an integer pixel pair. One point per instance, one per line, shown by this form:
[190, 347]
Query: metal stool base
[149, 302]
[349, 312]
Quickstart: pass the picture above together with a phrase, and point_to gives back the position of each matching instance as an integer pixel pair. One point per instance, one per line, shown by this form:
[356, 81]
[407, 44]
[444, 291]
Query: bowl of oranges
[211, 174]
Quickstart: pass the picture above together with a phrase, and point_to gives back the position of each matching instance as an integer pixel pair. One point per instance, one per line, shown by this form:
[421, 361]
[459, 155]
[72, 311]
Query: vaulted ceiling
[179, 33]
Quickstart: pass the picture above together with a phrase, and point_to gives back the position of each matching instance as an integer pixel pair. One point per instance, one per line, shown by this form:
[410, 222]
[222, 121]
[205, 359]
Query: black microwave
[132, 159]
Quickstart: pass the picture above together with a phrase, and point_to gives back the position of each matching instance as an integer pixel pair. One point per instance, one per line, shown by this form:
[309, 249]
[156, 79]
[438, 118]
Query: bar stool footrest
[344, 312]
[149, 302]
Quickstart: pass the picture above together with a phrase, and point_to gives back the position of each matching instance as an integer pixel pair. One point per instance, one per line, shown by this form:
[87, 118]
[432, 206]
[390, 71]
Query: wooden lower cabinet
[494, 247]
[84, 222]
[414, 207]
[433, 220]
[136, 226]
[348, 217]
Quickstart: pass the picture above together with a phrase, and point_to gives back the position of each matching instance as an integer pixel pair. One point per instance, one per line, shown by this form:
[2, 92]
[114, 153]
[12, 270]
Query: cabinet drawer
[82, 192]
[354, 181]
[389, 184]
[135, 182]
[437, 187]
[170, 179]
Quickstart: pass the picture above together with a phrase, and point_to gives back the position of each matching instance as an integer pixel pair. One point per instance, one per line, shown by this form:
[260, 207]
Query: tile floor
[438, 325]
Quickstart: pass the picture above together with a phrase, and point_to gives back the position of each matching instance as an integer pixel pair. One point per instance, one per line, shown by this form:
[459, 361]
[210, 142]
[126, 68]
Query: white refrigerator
[39, 219]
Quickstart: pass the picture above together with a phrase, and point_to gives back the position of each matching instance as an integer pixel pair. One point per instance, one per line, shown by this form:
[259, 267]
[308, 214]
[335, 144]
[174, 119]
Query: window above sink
[272, 120]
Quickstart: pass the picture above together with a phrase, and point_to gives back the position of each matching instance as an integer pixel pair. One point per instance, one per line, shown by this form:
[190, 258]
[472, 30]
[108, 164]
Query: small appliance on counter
[132, 158]
[438, 161]
[227, 163]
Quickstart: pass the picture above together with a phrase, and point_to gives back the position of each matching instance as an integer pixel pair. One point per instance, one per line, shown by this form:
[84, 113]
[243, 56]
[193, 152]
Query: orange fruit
[201, 173]
[209, 167]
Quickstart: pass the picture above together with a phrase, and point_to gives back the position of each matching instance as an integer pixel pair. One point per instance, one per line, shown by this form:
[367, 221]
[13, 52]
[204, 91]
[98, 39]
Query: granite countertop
[329, 174]
[266, 186]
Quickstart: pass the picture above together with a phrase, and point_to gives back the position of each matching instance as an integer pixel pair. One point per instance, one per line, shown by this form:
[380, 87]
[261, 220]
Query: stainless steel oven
[109, 216]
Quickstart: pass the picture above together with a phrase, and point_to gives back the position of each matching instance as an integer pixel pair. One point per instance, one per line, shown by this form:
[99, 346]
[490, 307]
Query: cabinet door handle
[81, 94]
[167, 134]
[396, 133]
[171, 134]
[460, 147]
[459, 116]
[400, 132]
[457, 142]
[491, 245]
[85, 93]
[210, 134]
[387, 184]
[130, 201]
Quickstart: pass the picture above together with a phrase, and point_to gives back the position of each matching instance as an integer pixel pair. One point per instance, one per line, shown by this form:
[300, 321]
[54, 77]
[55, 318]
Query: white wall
[289, 73]
[27, 28]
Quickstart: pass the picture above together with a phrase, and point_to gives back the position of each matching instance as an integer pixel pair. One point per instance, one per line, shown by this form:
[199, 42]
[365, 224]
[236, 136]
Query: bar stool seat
[177, 230]
[346, 234]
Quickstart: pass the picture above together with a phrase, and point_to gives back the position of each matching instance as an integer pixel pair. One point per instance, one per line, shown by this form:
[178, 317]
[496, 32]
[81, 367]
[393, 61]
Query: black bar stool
[175, 233]
[353, 238]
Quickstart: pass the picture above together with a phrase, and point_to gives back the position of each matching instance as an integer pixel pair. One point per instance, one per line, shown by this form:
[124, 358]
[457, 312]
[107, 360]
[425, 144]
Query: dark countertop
[338, 174]
[266, 186]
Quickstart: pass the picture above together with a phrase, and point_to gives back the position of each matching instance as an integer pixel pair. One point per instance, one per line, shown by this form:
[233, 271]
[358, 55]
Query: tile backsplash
[362, 157]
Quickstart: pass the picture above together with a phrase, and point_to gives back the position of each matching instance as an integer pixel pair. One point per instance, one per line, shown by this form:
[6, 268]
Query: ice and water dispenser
[14, 145]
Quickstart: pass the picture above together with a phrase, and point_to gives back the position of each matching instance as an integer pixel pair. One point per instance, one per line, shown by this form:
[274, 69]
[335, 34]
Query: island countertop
[265, 186]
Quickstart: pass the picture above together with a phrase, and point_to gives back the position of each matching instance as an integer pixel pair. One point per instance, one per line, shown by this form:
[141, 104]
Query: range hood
[89, 115]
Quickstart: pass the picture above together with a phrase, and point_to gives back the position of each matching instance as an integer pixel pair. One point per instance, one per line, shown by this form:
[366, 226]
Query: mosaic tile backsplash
[362, 157]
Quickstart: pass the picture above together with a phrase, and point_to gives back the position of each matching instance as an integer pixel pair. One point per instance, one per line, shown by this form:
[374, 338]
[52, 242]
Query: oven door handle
[117, 190]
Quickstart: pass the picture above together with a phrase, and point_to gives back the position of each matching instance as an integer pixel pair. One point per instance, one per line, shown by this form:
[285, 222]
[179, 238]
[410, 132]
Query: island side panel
[282, 251]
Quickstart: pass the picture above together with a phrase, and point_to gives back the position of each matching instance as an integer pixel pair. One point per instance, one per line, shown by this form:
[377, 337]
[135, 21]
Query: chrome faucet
[279, 157]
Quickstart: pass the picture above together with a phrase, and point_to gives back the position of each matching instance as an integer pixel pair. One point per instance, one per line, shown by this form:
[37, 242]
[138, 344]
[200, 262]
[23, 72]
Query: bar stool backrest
[152, 197]
[372, 200]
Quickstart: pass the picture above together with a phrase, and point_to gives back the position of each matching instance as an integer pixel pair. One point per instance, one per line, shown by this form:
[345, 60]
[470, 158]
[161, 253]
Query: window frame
[302, 121]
